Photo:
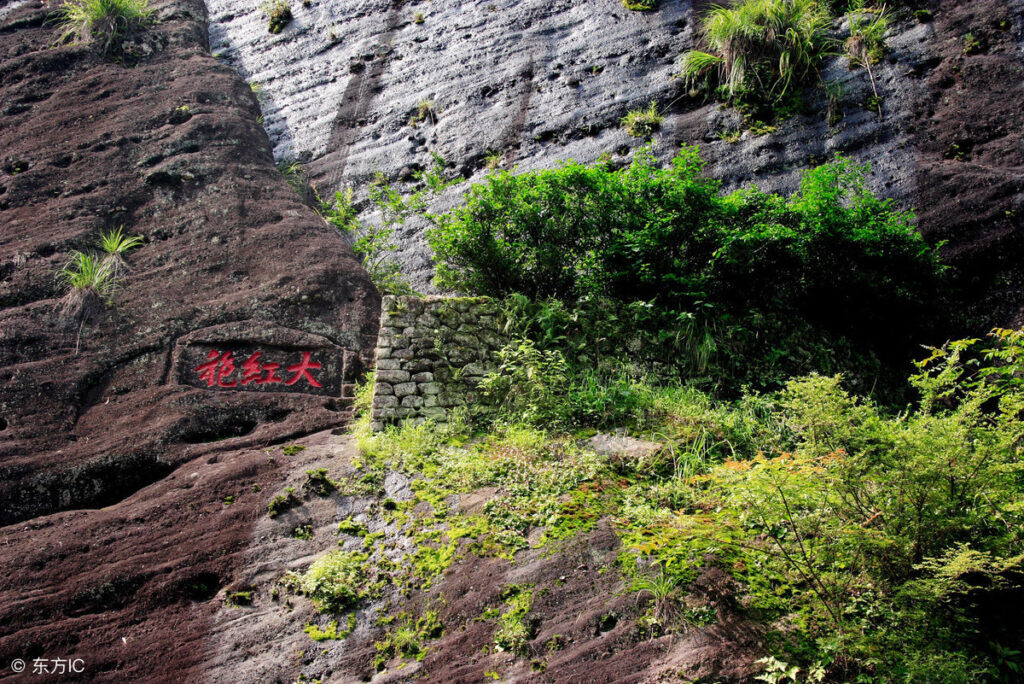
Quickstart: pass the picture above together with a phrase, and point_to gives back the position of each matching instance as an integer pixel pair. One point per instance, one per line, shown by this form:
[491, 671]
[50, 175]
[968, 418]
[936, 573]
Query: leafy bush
[374, 242]
[753, 285]
[893, 544]
[760, 50]
[105, 23]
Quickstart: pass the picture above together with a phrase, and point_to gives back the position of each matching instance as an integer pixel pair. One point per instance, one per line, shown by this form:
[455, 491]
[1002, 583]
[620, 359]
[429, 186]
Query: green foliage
[283, 502]
[318, 483]
[278, 12]
[891, 543]
[529, 384]
[761, 51]
[292, 449]
[316, 633]
[88, 274]
[89, 284]
[115, 243]
[296, 175]
[238, 599]
[374, 244]
[640, 5]
[335, 582]
[670, 260]
[874, 546]
[104, 23]
[973, 44]
[515, 627]
[866, 44]
[407, 639]
[350, 526]
[425, 112]
[641, 123]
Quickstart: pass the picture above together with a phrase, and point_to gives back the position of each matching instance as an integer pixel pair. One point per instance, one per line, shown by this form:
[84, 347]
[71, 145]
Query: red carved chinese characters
[220, 366]
[254, 371]
[217, 368]
[301, 369]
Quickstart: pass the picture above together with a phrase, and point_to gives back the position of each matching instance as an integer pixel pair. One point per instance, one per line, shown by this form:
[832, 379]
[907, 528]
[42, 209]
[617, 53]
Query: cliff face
[170, 148]
[135, 477]
[537, 82]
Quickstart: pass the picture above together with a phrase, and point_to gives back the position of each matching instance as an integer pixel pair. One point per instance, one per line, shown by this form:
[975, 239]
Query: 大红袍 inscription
[263, 369]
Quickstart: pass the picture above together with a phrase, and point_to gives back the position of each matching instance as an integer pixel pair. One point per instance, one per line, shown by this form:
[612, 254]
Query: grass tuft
[104, 23]
[641, 123]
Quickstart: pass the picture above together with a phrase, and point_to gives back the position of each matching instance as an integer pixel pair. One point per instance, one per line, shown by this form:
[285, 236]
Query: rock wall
[130, 469]
[533, 82]
[431, 353]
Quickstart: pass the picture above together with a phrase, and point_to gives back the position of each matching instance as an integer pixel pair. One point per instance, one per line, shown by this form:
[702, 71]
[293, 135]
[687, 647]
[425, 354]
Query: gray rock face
[527, 83]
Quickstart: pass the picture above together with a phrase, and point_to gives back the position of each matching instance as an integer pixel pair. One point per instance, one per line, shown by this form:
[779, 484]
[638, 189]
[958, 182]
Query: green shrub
[641, 123]
[104, 23]
[753, 286]
[529, 384]
[640, 5]
[892, 543]
[761, 51]
[374, 244]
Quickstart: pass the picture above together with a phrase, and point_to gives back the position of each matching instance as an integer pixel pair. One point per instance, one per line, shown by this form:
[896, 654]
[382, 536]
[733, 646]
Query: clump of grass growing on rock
[406, 640]
[866, 44]
[104, 23]
[115, 244]
[640, 5]
[424, 112]
[760, 51]
[641, 123]
[278, 12]
[89, 283]
[283, 502]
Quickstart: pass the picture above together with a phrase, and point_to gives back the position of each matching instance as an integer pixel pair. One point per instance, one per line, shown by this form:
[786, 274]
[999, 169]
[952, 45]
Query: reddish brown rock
[171, 149]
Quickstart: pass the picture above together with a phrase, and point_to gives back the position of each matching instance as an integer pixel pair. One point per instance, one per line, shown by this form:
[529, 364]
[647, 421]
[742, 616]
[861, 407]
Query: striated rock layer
[533, 82]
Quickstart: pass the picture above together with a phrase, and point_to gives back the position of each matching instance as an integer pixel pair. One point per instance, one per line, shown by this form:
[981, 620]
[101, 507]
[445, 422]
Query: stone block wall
[431, 354]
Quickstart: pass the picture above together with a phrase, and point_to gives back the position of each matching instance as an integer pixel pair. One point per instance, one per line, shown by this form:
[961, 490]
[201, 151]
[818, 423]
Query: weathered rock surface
[133, 492]
[536, 82]
[233, 262]
[171, 150]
